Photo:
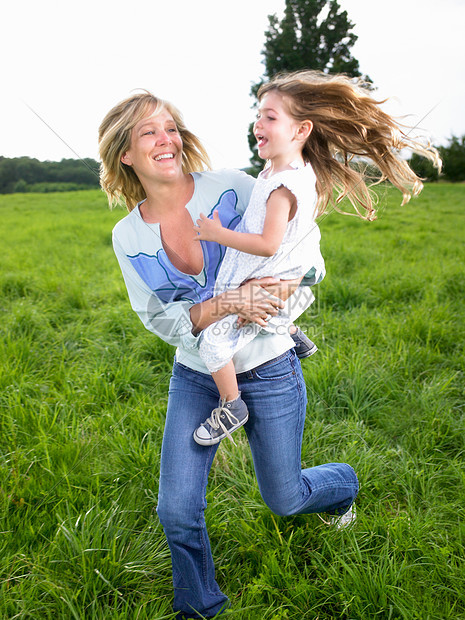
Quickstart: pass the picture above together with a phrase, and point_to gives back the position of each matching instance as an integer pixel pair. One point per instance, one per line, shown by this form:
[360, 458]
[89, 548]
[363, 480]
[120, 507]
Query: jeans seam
[293, 362]
[301, 421]
[343, 485]
[284, 356]
[208, 464]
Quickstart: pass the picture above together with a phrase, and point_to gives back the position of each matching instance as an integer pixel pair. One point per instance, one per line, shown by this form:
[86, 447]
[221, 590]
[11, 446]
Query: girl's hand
[208, 230]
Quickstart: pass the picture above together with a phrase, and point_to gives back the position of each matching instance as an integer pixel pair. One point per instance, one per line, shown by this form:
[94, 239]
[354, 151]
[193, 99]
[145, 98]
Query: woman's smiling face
[156, 148]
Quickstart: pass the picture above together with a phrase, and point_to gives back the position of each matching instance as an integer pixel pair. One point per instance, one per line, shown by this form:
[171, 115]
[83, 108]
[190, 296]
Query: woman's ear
[304, 130]
[125, 159]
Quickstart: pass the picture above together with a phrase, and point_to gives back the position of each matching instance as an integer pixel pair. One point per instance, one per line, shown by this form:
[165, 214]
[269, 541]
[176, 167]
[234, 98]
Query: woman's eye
[147, 133]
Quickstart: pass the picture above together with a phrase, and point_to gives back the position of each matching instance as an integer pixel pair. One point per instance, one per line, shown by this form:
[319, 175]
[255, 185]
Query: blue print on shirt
[169, 283]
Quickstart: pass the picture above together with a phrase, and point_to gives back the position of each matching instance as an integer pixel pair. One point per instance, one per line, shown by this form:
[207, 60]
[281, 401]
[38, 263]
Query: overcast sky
[71, 62]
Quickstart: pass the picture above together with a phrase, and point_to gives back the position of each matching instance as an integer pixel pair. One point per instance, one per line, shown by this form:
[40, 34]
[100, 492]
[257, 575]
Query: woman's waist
[262, 349]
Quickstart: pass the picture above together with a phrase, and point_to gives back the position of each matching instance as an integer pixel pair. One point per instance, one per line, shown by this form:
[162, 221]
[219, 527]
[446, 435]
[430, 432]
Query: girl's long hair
[348, 123]
[118, 180]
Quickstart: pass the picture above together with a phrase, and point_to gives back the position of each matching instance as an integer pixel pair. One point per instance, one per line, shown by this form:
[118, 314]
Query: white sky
[72, 61]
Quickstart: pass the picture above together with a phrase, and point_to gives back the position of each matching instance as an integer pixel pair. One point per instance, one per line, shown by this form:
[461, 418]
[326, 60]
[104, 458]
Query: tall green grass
[83, 391]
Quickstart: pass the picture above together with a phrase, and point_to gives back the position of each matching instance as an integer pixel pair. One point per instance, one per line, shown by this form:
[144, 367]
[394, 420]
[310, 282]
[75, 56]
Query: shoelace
[216, 422]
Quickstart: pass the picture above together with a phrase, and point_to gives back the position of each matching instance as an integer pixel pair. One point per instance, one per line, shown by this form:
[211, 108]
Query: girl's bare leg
[226, 382]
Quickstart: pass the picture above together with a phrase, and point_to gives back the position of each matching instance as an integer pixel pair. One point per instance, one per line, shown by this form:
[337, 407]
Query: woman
[150, 159]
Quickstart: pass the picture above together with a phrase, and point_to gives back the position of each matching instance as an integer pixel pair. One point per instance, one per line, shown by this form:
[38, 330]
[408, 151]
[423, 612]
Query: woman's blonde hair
[348, 123]
[118, 180]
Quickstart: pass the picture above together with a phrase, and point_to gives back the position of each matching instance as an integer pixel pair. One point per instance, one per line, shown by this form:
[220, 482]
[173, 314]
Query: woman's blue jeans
[276, 398]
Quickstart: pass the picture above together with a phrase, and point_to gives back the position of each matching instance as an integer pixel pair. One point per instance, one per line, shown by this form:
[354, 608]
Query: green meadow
[83, 392]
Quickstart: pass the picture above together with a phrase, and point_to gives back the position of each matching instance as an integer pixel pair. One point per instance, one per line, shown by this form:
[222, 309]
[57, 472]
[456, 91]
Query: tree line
[26, 174]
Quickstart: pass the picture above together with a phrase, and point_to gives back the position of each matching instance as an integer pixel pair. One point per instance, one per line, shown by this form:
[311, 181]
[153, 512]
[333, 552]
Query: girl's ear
[304, 130]
[125, 159]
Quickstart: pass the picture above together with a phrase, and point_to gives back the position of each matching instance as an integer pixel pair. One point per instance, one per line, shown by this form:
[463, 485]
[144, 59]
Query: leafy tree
[453, 162]
[423, 168]
[313, 34]
[453, 157]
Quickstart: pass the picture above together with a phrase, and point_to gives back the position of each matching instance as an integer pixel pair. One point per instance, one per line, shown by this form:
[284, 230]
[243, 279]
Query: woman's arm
[252, 302]
[179, 322]
[278, 208]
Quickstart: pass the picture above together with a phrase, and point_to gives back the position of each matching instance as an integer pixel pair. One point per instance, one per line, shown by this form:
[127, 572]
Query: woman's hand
[208, 230]
[277, 288]
[280, 288]
[251, 302]
[254, 303]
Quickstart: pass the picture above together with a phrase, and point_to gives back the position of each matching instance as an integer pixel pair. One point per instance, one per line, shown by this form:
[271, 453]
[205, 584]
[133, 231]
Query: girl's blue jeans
[276, 398]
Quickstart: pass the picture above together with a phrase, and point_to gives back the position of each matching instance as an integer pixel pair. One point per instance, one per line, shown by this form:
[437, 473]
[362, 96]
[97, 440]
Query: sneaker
[304, 347]
[224, 420]
[346, 519]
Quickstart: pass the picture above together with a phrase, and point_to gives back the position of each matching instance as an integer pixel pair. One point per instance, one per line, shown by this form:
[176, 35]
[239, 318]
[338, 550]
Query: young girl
[309, 127]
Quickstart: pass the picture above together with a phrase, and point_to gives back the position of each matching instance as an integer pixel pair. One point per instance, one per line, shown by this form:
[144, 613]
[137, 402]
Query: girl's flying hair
[348, 123]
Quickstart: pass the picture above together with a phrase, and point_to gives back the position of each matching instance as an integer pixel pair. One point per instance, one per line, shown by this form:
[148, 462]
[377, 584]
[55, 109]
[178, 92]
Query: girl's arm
[278, 209]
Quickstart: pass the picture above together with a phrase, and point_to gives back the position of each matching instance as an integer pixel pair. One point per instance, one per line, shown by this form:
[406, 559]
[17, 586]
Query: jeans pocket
[279, 368]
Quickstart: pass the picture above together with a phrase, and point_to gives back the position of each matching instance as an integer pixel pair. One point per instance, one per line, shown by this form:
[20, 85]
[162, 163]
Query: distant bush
[453, 157]
[453, 162]
[423, 168]
[46, 188]
[25, 174]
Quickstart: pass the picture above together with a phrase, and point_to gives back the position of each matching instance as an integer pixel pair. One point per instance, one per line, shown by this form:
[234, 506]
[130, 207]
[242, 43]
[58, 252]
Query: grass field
[83, 391]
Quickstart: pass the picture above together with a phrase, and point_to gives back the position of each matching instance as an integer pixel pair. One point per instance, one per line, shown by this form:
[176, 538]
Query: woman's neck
[165, 200]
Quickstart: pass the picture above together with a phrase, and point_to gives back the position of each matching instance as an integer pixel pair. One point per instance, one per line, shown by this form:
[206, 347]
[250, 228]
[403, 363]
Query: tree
[423, 167]
[453, 157]
[313, 34]
[453, 162]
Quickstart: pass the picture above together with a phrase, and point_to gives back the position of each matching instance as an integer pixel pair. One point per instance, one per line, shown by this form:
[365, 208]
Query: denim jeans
[276, 398]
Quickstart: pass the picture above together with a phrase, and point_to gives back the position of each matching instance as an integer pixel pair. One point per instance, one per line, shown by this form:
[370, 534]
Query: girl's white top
[298, 253]
[300, 249]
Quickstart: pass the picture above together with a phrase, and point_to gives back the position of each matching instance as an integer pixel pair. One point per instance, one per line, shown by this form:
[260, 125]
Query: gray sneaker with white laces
[304, 347]
[224, 420]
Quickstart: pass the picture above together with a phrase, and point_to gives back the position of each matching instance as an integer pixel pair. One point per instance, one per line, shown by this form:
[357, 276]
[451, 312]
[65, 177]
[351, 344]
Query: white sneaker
[344, 520]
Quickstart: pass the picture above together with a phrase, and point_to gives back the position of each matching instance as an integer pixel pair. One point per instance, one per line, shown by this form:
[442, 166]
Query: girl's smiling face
[274, 128]
[279, 136]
